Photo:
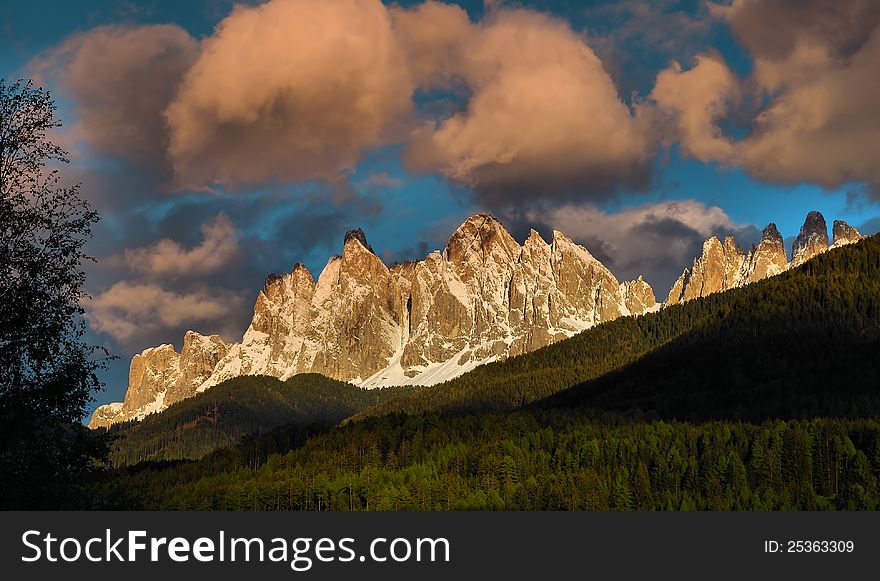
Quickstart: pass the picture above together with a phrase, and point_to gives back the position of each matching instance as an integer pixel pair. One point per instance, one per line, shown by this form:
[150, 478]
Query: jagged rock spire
[767, 258]
[812, 239]
[717, 269]
[357, 234]
[844, 233]
[710, 272]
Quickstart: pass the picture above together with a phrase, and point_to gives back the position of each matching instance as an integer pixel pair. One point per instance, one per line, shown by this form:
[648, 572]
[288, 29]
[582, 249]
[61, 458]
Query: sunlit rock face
[159, 377]
[811, 241]
[717, 269]
[484, 298]
[723, 266]
[767, 258]
[844, 234]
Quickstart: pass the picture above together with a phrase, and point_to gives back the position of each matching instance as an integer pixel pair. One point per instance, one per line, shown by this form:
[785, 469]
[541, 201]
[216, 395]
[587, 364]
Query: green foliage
[530, 460]
[220, 416]
[47, 371]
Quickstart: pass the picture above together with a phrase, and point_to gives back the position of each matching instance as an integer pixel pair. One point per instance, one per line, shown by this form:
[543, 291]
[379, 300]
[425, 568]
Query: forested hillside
[803, 344]
[220, 416]
[812, 329]
[764, 397]
[537, 460]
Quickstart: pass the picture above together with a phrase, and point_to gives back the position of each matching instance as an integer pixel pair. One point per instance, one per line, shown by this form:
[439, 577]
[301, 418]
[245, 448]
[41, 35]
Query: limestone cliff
[159, 377]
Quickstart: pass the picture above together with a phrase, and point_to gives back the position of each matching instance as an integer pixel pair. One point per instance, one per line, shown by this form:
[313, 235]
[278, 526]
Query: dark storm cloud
[773, 29]
[121, 80]
[871, 226]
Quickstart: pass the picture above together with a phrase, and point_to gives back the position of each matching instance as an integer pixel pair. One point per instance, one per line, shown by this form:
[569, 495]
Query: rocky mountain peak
[300, 276]
[483, 236]
[730, 244]
[272, 279]
[300, 269]
[844, 233]
[534, 237]
[724, 266]
[297, 275]
[193, 340]
[159, 377]
[767, 258]
[359, 266]
[638, 296]
[476, 224]
[717, 268]
[560, 241]
[485, 298]
[771, 234]
[278, 287]
[812, 239]
[356, 235]
[814, 222]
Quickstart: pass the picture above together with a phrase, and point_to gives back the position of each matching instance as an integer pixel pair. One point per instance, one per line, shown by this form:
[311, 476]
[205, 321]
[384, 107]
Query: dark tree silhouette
[47, 371]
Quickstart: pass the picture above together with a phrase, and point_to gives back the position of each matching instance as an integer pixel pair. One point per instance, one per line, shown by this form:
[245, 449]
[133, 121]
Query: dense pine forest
[764, 397]
[538, 460]
[245, 405]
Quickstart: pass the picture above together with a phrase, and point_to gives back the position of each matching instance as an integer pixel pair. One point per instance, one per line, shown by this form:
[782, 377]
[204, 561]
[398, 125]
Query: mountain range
[762, 397]
[484, 298]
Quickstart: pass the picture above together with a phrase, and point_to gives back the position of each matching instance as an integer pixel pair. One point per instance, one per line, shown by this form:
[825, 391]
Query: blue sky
[409, 203]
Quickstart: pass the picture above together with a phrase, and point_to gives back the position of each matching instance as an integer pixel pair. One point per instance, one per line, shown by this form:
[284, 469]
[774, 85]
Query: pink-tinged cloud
[290, 90]
[690, 102]
[132, 312]
[815, 64]
[168, 259]
[544, 117]
[296, 90]
[432, 34]
[823, 123]
[772, 29]
[121, 80]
